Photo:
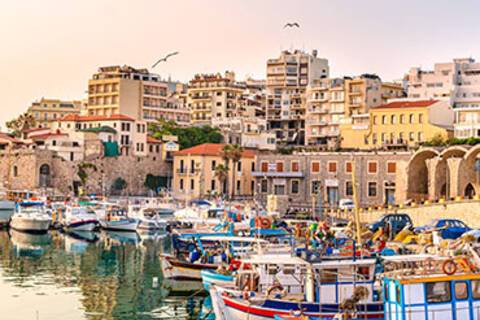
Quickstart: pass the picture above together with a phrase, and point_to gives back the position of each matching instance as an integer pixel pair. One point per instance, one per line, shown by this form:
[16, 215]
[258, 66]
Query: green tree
[221, 173]
[23, 122]
[232, 153]
[187, 136]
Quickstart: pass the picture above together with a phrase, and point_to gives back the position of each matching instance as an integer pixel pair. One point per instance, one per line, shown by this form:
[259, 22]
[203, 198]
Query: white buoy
[155, 282]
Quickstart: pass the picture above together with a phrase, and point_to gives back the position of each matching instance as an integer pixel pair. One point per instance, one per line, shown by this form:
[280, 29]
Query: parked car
[447, 228]
[396, 221]
[346, 204]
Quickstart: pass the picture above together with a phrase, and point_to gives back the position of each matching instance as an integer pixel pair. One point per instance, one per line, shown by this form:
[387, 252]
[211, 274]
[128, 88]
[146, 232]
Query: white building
[459, 83]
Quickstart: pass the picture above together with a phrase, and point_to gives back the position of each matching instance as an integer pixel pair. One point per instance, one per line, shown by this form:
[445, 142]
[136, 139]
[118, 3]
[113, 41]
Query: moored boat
[30, 216]
[79, 218]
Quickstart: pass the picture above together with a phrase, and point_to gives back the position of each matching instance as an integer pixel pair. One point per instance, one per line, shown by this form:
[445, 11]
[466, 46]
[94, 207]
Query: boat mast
[355, 201]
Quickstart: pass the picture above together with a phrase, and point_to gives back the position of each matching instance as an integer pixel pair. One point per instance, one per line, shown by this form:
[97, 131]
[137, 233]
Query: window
[315, 187]
[372, 167]
[384, 119]
[328, 276]
[295, 166]
[252, 166]
[420, 136]
[238, 185]
[181, 184]
[374, 120]
[279, 166]
[391, 167]
[402, 119]
[438, 292]
[264, 186]
[476, 289]
[239, 166]
[316, 167]
[332, 167]
[393, 119]
[348, 188]
[363, 273]
[412, 118]
[214, 164]
[192, 184]
[461, 291]
[411, 136]
[372, 189]
[15, 171]
[294, 188]
[420, 118]
[212, 185]
[264, 166]
[279, 189]
[348, 167]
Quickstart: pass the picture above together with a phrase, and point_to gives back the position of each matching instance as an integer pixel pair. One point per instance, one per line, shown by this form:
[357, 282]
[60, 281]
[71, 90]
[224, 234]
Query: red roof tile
[210, 149]
[79, 118]
[407, 104]
[35, 129]
[47, 135]
[4, 136]
[153, 140]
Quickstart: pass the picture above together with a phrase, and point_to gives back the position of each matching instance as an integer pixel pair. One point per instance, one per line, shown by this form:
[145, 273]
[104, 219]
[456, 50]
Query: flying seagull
[291, 25]
[164, 59]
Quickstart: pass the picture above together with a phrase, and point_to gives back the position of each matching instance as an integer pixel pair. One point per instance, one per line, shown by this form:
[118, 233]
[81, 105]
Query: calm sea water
[91, 276]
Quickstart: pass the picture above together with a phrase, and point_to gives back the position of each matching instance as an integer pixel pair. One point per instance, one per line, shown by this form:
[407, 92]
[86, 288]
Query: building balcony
[275, 174]
[318, 110]
[187, 172]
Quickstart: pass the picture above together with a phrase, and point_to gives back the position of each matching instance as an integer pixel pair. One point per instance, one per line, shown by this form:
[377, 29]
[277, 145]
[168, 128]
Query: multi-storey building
[330, 101]
[323, 178]
[287, 79]
[459, 83]
[402, 123]
[246, 132]
[125, 90]
[46, 111]
[195, 173]
[214, 96]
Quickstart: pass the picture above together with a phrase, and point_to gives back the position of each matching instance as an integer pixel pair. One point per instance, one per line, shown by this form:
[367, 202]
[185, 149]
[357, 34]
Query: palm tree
[226, 152]
[221, 173]
[235, 155]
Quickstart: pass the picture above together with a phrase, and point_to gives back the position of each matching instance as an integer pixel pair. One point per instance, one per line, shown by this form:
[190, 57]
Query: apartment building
[132, 92]
[194, 173]
[329, 102]
[248, 132]
[457, 82]
[401, 123]
[287, 79]
[213, 96]
[326, 177]
[46, 111]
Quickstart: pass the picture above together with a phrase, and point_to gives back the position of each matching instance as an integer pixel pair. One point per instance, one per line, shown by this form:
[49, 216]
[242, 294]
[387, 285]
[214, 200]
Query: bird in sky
[164, 59]
[291, 25]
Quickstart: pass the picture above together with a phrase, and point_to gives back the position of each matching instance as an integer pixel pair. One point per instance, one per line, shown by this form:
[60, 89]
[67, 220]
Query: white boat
[150, 219]
[7, 208]
[30, 216]
[117, 220]
[79, 218]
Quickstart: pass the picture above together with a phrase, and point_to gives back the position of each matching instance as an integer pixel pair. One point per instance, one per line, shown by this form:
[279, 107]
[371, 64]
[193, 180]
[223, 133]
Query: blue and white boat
[79, 218]
[117, 220]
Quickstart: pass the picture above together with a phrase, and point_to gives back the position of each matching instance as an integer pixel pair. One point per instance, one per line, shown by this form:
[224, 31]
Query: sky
[50, 48]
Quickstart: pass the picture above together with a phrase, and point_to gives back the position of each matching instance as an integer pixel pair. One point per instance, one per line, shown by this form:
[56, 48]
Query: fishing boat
[117, 220]
[283, 286]
[30, 216]
[79, 218]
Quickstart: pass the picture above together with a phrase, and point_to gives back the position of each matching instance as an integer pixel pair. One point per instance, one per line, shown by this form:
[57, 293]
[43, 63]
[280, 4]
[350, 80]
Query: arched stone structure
[418, 173]
[444, 184]
[469, 172]
[44, 175]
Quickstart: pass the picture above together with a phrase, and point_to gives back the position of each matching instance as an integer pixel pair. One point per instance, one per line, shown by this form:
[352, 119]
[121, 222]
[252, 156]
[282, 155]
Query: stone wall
[20, 170]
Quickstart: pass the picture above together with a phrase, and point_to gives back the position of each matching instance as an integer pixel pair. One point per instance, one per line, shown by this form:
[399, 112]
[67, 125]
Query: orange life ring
[449, 267]
[265, 223]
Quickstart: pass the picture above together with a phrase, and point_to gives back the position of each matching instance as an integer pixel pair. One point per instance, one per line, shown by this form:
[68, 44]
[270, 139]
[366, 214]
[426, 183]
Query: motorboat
[79, 218]
[150, 219]
[117, 220]
[31, 216]
[7, 208]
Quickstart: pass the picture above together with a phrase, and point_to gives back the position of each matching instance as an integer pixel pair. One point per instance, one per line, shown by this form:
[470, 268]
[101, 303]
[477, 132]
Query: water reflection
[84, 275]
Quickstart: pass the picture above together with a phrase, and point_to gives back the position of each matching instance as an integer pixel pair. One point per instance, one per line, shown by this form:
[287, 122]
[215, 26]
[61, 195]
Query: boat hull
[30, 224]
[84, 225]
[179, 270]
[210, 277]
[235, 308]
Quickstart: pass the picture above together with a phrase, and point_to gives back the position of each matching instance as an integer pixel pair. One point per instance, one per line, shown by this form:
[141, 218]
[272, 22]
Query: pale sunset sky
[49, 48]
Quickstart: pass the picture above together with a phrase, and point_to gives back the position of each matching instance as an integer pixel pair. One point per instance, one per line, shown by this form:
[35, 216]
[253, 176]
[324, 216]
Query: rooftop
[407, 104]
[79, 118]
[211, 149]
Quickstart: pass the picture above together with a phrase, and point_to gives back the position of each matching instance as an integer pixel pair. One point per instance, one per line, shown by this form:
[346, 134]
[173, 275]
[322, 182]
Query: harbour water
[92, 276]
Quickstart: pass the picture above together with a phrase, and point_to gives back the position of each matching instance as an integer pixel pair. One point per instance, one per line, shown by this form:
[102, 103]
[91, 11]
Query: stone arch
[418, 174]
[470, 191]
[44, 175]
[469, 172]
[443, 177]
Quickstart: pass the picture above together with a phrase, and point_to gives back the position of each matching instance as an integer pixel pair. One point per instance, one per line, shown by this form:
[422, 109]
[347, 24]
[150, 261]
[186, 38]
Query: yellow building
[213, 96]
[47, 111]
[402, 123]
[128, 91]
[194, 173]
